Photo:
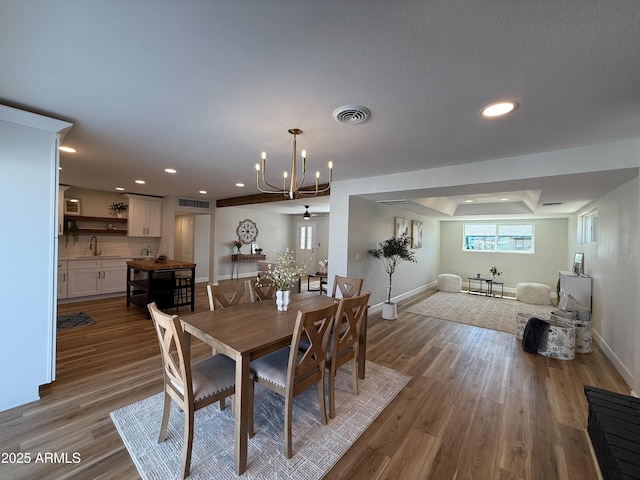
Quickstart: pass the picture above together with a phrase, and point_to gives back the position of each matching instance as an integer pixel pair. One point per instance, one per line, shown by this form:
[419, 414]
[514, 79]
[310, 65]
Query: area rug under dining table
[478, 310]
[316, 447]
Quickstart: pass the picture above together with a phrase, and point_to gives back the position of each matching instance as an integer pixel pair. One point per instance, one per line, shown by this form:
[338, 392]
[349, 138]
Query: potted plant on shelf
[392, 252]
[238, 244]
[117, 209]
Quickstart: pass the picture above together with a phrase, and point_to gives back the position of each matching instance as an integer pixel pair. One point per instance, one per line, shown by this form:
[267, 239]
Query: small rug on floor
[316, 447]
[73, 320]
[478, 310]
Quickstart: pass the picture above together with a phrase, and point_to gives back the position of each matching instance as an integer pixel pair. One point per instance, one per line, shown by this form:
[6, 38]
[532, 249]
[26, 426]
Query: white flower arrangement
[284, 273]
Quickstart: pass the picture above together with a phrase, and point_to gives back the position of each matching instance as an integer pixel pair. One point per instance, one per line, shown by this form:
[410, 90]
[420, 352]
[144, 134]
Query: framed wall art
[416, 234]
[402, 227]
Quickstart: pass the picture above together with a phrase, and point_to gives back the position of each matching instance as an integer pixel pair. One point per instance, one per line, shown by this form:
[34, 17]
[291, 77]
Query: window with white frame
[504, 238]
[306, 238]
[589, 226]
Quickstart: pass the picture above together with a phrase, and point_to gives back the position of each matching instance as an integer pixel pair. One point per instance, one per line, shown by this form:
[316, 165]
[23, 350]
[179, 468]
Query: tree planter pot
[389, 311]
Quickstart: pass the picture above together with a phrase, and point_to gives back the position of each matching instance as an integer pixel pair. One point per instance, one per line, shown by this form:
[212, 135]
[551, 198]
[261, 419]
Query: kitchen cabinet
[62, 279]
[578, 286]
[96, 277]
[145, 216]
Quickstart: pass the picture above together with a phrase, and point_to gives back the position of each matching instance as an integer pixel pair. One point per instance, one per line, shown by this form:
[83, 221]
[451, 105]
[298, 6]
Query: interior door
[305, 246]
[184, 238]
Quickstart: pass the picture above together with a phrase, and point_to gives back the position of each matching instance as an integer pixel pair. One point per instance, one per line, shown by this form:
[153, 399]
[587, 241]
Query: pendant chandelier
[291, 187]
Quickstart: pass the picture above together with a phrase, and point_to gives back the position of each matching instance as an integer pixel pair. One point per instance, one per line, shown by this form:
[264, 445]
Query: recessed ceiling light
[239, 184]
[120, 189]
[170, 170]
[497, 109]
[504, 199]
[202, 192]
[73, 200]
[468, 201]
[140, 182]
[67, 149]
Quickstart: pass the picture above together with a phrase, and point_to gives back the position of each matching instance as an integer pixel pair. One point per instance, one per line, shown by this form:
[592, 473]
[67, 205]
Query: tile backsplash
[108, 245]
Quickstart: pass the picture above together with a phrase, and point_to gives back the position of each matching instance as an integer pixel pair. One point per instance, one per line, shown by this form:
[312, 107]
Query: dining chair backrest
[289, 371]
[175, 357]
[344, 342]
[261, 290]
[347, 286]
[213, 379]
[229, 294]
[308, 368]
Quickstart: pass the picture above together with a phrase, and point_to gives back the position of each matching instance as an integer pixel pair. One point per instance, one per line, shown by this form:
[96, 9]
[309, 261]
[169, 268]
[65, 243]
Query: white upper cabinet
[145, 216]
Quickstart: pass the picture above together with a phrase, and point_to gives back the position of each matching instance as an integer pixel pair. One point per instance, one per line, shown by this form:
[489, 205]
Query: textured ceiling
[205, 86]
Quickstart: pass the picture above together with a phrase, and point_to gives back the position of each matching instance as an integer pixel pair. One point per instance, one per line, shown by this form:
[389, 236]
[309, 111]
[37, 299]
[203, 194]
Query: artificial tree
[392, 252]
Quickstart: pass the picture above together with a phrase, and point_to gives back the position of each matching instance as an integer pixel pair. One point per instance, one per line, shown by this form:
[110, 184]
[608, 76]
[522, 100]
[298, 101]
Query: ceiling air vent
[193, 203]
[549, 204]
[352, 114]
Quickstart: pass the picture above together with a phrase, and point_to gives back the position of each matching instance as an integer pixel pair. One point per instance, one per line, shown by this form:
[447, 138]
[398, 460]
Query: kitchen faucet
[94, 246]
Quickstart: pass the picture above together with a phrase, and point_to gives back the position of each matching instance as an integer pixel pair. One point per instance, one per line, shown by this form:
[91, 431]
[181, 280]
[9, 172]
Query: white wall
[201, 246]
[371, 223]
[275, 234]
[29, 182]
[542, 266]
[613, 262]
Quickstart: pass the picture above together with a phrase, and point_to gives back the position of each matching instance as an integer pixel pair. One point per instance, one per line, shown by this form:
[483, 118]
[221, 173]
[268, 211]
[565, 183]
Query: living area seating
[557, 341]
[449, 282]
[535, 293]
[572, 311]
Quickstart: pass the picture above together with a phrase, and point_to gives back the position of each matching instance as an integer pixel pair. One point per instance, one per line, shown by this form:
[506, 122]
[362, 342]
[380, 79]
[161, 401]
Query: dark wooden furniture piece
[162, 283]
[614, 429]
[249, 331]
[239, 257]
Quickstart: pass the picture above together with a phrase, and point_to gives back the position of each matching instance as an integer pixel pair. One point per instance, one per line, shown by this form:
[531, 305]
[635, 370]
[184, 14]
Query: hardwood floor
[477, 407]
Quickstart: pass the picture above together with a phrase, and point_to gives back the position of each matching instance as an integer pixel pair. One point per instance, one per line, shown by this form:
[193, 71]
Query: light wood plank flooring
[477, 407]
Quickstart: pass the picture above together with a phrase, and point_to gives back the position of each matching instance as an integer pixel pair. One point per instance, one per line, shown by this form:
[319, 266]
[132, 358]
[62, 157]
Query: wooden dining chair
[261, 290]
[344, 343]
[289, 371]
[348, 287]
[229, 294]
[192, 387]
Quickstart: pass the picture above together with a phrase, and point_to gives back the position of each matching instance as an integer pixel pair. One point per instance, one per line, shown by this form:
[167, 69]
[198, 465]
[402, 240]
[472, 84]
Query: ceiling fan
[306, 214]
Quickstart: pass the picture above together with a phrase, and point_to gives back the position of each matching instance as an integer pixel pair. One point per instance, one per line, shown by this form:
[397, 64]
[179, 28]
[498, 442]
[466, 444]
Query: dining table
[249, 331]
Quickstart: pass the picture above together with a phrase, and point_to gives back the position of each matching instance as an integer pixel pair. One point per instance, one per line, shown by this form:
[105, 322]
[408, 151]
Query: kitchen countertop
[108, 257]
[147, 265]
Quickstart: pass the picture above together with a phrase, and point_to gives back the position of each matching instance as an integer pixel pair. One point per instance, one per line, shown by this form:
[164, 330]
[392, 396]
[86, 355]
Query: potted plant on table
[284, 273]
[392, 252]
[494, 271]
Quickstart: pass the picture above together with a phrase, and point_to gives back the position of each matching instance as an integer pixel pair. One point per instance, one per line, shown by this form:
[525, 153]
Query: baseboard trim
[378, 306]
[624, 372]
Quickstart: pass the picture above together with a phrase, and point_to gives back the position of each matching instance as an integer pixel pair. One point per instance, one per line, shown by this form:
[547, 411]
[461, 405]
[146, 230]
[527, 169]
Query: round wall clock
[247, 231]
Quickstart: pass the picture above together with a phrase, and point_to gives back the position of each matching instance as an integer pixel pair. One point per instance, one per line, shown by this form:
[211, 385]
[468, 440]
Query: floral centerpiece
[494, 271]
[117, 208]
[323, 266]
[284, 273]
[238, 244]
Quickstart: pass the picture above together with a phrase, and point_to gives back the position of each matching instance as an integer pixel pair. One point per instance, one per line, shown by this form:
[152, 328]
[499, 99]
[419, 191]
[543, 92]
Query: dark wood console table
[235, 258]
[169, 284]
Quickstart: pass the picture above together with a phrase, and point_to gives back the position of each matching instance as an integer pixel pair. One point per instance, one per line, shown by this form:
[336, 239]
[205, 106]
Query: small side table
[490, 284]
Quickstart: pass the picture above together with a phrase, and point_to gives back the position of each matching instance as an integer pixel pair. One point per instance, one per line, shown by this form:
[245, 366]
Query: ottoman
[536, 293]
[448, 282]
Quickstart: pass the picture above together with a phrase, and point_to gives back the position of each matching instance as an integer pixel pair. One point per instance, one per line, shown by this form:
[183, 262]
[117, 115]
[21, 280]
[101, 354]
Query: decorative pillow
[570, 304]
[561, 313]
